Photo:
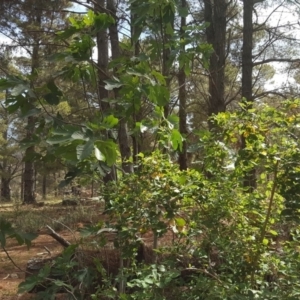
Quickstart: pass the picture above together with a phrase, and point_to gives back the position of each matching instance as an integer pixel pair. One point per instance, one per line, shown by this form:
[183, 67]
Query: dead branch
[58, 238]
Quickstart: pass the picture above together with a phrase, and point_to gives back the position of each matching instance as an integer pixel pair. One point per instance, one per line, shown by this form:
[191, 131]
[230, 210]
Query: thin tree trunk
[44, 187]
[247, 69]
[92, 188]
[123, 136]
[102, 46]
[5, 189]
[29, 196]
[22, 183]
[136, 51]
[215, 15]
[166, 53]
[5, 173]
[182, 102]
[55, 177]
[29, 180]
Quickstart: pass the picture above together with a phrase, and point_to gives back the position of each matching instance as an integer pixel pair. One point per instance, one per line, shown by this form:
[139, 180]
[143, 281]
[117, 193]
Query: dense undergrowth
[200, 233]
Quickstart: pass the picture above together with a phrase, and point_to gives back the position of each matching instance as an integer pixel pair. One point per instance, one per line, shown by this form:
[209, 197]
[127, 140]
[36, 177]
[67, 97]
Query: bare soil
[12, 270]
[11, 276]
[44, 246]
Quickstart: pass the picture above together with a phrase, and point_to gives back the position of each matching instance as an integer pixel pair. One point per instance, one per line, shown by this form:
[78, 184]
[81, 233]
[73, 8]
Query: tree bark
[123, 136]
[5, 189]
[166, 53]
[102, 46]
[247, 71]
[215, 15]
[5, 170]
[29, 178]
[44, 187]
[136, 50]
[182, 102]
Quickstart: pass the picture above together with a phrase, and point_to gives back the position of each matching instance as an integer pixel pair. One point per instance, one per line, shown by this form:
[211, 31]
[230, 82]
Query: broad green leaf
[52, 99]
[12, 82]
[159, 77]
[183, 179]
[183, 12]
[176, 140]
[103, 21]
[28, 284]
[174, 119]
[31, 112]
[109, 150]
[59, 139]
[84, 151]
[273, 232]
[99, 155]
[55, 94]
[265, 241]
[110, 121]
[77, 135]
[180, 222]
[112, 84]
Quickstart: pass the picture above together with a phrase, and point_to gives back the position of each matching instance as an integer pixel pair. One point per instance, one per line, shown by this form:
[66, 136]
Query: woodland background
[183, 116]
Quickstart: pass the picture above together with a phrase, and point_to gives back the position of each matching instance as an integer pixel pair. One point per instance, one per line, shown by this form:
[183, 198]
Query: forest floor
[33, 219]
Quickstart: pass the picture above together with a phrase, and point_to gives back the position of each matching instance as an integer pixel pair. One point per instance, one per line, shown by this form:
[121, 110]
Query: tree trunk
[29, 196]
[5, 189]
[29, 178]
[56, 185]
[44, 187]
[182, 102]
[136, 51]
[5, 172]
[247, 69]
[123, 129]
[215, 15]
[166, 53]
[92, 188]
[22, 183]
[102, 46]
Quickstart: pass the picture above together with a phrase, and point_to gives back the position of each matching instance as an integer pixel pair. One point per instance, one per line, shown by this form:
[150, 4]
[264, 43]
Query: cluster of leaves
[237, 240]
[235, 244]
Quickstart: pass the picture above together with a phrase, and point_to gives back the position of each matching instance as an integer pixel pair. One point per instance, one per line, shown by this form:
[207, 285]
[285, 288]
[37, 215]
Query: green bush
[228, 241]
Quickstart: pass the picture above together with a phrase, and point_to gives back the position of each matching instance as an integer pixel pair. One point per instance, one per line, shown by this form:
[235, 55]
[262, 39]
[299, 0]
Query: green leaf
[103, 21]
[183, 12]
[265, 241]
[109, 150]
[30, 112]
[180, 222]
[174, 119]
[110, 121]
[273, 232]
[78, 135]
[99, 155]
[58, 139]
[28, 284]
[84, 151]
[55, 94]
[63, 35]
[112, 84]
[176, 140]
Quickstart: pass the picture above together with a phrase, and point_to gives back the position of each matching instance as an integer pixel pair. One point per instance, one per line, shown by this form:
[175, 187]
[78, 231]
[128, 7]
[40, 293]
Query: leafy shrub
[227, 242]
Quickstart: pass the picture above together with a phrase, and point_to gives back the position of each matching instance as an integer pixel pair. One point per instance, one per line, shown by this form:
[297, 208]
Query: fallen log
[58, 237]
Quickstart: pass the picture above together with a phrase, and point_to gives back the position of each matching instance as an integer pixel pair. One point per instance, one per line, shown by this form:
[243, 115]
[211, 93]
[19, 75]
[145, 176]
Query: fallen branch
[58, 238]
